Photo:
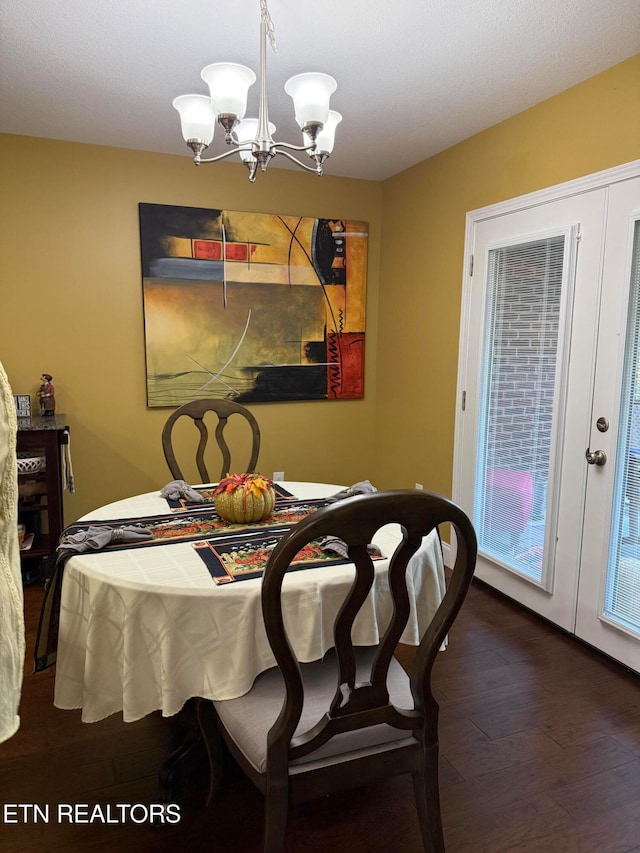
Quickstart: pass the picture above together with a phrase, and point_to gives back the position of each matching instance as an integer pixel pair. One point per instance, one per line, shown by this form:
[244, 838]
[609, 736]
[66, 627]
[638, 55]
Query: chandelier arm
[198, 160]
[278, 144]
[295, 147]
[316, 171]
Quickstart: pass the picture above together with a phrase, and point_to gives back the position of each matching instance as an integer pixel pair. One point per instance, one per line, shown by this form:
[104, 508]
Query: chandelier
[251, 138]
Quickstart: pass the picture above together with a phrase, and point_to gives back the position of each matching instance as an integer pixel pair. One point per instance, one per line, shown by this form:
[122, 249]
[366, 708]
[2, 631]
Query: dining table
[146, 629]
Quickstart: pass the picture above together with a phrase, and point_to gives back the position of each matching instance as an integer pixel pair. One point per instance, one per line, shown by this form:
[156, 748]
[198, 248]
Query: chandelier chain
[266, 18]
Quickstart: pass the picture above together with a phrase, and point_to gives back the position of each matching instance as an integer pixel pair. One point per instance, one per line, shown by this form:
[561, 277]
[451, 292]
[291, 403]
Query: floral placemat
[244, 556]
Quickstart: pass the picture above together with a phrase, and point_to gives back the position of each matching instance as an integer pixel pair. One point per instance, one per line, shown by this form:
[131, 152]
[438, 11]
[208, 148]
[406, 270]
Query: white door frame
[568, 189]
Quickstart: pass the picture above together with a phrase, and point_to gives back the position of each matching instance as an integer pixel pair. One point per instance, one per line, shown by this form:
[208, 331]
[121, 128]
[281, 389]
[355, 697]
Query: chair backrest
[355, 521]
[196, 410]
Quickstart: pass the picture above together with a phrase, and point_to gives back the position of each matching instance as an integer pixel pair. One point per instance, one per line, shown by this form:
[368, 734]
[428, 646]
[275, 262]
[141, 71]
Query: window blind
[622, 591]
[519, 373]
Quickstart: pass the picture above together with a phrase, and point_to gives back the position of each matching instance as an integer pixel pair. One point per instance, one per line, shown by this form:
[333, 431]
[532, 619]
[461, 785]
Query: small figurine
[46, 393]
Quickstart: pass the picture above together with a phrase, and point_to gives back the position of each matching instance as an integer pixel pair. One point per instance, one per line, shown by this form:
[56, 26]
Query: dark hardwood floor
[540, 751]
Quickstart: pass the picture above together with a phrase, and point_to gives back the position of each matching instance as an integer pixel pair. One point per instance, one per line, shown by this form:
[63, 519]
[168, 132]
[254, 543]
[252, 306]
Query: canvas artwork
[252, 307]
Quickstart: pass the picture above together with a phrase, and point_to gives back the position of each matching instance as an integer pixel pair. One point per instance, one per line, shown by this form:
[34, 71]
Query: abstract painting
[252, 307]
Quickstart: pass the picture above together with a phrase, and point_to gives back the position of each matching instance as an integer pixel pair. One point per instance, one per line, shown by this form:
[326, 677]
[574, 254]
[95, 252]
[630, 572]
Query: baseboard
[448, 555]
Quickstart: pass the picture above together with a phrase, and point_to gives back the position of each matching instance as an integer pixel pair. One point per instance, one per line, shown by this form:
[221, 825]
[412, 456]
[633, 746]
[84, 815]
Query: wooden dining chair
[196, 410]
[304, 731]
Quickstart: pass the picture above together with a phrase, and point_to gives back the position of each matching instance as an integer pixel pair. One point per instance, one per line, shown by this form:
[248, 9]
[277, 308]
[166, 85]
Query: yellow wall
[593, 126]
[71, 305]
[71, 300]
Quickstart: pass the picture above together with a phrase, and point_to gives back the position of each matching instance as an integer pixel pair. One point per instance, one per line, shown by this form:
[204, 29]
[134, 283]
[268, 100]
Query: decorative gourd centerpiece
[241, 498]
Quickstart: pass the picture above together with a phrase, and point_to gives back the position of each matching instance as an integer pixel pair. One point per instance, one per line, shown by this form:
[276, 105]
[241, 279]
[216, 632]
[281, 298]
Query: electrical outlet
[419, 486]
[278, 475]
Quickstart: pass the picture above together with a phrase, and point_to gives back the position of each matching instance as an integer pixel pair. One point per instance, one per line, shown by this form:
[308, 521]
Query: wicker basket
[30, 464]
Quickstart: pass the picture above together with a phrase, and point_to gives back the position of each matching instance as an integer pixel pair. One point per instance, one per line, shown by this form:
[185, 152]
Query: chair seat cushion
[248, 718]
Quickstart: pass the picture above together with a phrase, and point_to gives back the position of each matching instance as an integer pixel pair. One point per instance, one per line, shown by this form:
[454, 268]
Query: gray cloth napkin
[364, 487]
[337, 546]
[177, 489]
[94, 538]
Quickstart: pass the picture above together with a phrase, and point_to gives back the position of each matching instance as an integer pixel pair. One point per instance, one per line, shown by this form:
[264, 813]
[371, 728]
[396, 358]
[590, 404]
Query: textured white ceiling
[414, 76]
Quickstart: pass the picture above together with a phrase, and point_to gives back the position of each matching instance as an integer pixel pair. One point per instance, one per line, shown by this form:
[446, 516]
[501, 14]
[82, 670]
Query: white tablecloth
[146, 629]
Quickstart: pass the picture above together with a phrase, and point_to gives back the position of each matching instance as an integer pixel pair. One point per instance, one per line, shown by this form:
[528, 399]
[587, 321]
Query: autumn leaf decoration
[251, 484]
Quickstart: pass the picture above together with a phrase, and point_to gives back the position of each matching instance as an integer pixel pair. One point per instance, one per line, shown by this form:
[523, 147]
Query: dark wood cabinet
[40, 443]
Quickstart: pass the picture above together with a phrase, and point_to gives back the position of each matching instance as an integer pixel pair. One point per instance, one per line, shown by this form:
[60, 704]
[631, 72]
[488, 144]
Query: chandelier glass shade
[252, 138]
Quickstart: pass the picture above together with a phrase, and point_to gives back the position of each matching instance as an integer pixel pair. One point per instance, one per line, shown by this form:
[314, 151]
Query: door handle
[597, 457]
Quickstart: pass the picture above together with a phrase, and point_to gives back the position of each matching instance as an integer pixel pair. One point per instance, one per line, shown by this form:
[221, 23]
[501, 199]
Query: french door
[548, 427]
[608, 605]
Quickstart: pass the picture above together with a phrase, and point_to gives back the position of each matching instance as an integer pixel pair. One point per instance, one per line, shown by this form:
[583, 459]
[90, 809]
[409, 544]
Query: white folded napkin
[177, 489]
[94, 538]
